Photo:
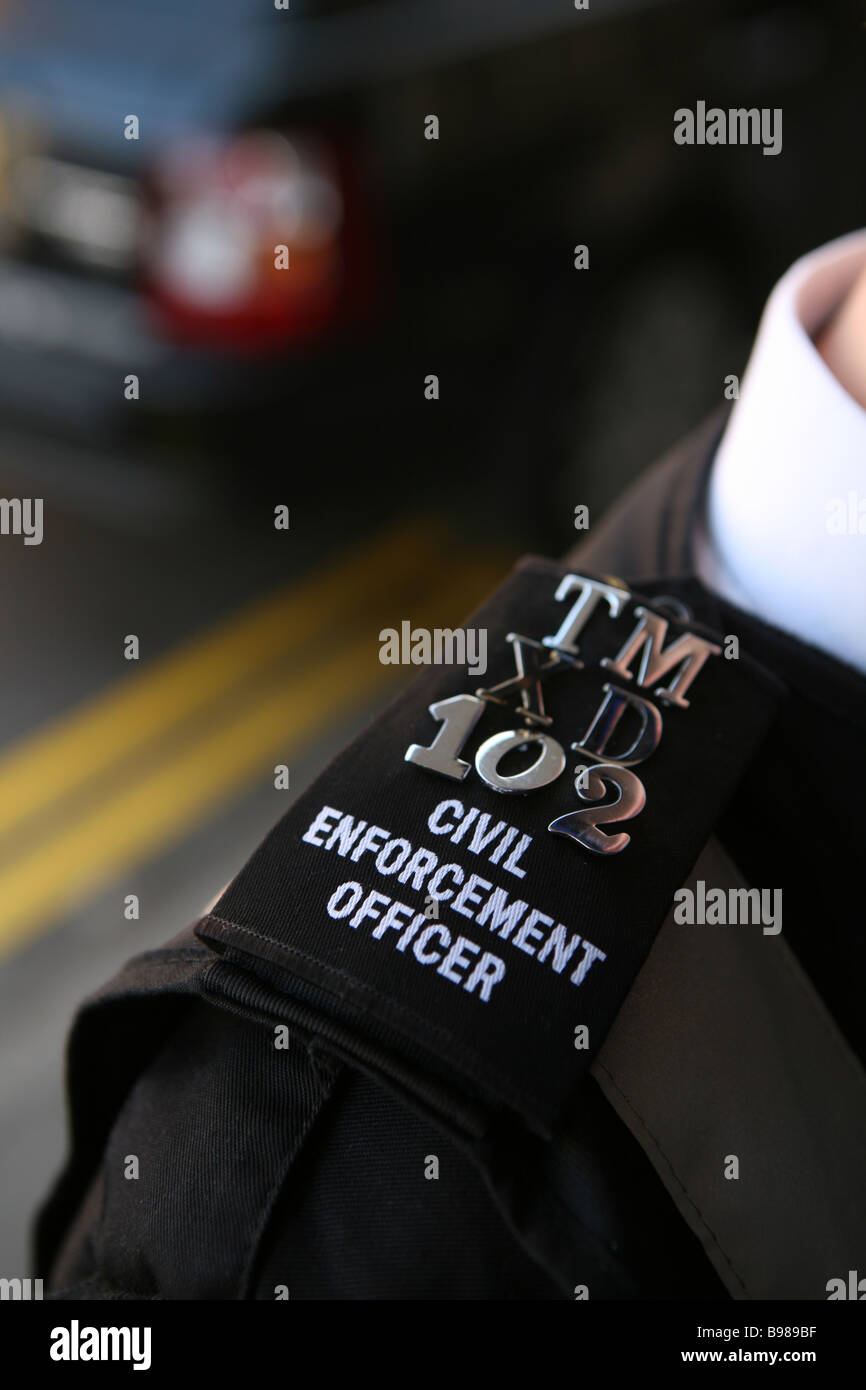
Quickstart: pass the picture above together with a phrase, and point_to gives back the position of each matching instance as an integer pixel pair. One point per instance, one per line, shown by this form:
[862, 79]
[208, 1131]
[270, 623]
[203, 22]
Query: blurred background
[164, 388]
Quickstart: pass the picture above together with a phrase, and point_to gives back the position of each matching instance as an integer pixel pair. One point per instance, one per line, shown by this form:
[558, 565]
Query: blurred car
[155, 157]
[148, 171]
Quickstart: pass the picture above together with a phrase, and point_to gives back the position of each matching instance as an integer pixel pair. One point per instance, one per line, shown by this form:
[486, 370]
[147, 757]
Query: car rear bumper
[67, 345]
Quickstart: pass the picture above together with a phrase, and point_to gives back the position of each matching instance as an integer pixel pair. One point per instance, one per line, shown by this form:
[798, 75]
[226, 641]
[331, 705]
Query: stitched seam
[676, 1177]
[477, 1069]
[266, 1208]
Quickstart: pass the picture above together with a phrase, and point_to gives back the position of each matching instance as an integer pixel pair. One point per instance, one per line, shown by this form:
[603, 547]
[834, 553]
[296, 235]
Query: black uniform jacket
[320, 1108]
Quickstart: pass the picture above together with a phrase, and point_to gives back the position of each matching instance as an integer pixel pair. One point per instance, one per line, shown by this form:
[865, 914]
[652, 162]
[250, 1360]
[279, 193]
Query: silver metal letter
[688, 653]
[534, 662]
[607, 717]
[579, 614]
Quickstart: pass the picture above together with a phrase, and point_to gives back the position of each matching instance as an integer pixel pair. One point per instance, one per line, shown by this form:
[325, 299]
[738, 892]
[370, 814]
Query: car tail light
[220, 211]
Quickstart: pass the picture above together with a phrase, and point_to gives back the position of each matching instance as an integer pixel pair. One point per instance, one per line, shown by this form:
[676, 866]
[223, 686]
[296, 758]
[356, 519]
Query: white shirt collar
[793, 454]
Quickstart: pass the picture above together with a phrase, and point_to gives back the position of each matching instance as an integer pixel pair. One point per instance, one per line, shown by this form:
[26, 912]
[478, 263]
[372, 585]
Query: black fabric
[366, 1223]
[800, 819]
[261, 1169]
[116, 1033]
[307, 1168]
[372, 1001]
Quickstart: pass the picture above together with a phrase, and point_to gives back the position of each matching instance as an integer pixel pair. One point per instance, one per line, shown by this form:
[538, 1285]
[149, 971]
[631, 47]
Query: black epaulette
[461, 902]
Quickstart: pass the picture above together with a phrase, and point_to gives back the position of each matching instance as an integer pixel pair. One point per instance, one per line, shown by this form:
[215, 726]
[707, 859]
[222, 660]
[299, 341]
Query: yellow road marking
[42, 769]
[144, 815]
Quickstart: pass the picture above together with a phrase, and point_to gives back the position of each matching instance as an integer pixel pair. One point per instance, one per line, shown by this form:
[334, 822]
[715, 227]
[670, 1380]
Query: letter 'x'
[534, 661]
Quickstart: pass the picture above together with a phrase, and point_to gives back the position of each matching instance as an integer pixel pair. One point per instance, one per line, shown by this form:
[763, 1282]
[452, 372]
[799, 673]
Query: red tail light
[256, 242]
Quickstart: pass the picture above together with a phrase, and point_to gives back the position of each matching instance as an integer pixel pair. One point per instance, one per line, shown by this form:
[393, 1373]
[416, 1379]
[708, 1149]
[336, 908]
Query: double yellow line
[120, 779]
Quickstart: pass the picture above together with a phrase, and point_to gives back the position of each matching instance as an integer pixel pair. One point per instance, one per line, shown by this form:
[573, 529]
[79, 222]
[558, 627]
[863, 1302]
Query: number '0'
[459, 715]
